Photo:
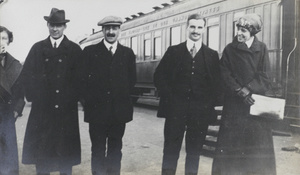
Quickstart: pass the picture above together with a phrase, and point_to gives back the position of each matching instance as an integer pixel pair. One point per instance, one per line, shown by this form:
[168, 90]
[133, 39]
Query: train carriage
[149, 35]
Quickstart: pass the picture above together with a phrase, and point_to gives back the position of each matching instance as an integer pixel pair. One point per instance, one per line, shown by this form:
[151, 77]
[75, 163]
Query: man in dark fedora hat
[110, 76]
[50, 77]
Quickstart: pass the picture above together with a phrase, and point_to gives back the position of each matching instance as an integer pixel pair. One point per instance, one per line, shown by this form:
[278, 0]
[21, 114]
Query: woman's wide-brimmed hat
[251, 22]
[56, 16]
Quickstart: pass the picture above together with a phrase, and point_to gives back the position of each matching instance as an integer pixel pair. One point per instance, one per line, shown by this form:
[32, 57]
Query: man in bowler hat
[50, 77]
[110, 77]
[187, 78]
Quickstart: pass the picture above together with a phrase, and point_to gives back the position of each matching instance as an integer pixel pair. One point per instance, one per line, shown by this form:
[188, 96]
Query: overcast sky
[25, 18]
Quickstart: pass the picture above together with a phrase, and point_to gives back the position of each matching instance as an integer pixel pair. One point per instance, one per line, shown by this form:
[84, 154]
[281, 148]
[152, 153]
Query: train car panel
[275, 31]
[227, 30]
[266, 25]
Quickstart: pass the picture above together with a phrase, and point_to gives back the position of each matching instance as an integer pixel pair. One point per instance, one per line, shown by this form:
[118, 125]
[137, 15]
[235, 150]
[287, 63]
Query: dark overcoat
[51, 83]
[245, 144]
[165, 78]
[11, 99]
[109, 81]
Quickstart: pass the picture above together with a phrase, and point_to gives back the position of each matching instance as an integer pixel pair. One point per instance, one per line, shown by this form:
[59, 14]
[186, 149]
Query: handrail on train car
[287, 66]
[289, 55]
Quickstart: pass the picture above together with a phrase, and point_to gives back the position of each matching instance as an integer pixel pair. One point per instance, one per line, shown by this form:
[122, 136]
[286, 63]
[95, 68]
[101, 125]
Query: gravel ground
[143, 145]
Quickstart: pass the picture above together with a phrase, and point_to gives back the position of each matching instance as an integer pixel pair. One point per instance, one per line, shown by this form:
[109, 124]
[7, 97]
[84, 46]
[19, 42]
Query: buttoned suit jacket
[109, 82]
[166, 72]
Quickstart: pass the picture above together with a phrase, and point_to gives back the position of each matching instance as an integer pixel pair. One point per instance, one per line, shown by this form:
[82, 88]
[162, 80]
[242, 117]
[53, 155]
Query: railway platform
[143, 146]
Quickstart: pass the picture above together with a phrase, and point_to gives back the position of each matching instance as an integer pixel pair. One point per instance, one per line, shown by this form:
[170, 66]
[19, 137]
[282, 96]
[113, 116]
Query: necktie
[2, 57]
[193, 51]
[54, 45]
[110, 50]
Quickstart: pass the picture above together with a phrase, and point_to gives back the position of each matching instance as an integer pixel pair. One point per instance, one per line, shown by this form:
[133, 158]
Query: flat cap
[110, 20]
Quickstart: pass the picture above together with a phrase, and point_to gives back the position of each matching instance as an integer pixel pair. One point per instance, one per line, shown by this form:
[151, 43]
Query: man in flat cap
[110, 77]
[50, 72]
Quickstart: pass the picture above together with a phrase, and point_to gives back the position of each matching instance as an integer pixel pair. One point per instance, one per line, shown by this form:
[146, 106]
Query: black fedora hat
[56, 16]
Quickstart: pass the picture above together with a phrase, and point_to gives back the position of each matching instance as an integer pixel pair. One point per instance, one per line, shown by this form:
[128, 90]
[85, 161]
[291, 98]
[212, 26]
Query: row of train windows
[175, 38]
[157, 46]
[212, 39]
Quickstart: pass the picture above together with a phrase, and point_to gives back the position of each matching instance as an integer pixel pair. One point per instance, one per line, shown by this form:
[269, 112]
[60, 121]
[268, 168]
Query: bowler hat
[56, 16]
[251, 22]
[110, 20]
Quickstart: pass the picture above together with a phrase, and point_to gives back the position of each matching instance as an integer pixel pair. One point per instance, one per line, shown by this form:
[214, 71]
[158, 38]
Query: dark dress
[51, 83]
[245, 143]
[11, 99]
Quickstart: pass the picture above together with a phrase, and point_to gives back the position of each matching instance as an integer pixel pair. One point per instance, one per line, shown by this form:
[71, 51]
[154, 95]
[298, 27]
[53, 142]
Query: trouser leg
[41, 169]
[168, 172]
[173, 132]
[114, 148]
[98, 135]
[195, 138]
[66, 170]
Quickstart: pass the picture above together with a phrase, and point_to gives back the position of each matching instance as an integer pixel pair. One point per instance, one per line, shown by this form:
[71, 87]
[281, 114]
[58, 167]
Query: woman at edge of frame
[245, 143]
[11, 105]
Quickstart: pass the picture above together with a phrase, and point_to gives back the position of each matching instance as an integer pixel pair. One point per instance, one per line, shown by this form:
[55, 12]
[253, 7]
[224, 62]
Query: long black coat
[11, 99]
[166, 75]
[51, 83]
[245, 144]
[108, 83]
[11, 88]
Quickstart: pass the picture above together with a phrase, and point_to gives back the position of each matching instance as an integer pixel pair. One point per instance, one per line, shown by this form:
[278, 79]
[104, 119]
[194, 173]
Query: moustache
[2, 49]
[111, 35]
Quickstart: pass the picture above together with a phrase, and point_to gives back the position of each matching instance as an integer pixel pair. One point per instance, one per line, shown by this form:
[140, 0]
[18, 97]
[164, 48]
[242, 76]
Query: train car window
[213, 32]
[234, 28]
[134, 45]
[157, 45]
[147, 49]
[157, 33]
[123, 42]
[157, 48]
[128, 42]
[213, 21]
[175, 35]
[213, 40]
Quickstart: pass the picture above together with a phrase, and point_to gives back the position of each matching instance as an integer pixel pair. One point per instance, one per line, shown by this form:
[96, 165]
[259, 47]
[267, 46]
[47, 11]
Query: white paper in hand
[267, 107]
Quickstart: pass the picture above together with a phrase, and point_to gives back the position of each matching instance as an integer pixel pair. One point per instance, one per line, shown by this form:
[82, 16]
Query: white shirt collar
[58, 41]
[190, 44]
[108, 45]
[249, 42]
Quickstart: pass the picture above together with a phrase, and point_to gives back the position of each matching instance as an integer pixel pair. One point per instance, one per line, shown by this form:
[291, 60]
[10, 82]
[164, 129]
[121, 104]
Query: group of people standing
[57, 74]
[191, 83]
